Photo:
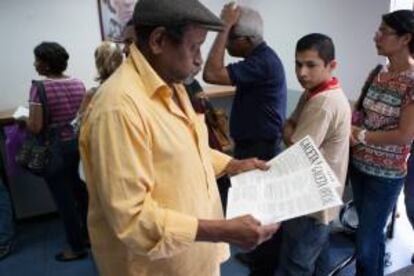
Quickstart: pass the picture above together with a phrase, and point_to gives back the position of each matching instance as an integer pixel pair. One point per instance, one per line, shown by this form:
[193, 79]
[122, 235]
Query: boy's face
[311, 70]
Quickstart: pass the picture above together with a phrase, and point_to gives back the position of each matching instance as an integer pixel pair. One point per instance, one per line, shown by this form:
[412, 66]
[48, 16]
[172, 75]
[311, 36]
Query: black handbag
[41, 154]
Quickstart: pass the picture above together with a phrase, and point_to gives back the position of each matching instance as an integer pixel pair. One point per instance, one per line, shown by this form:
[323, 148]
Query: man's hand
[230, 14]
[353, 141]
[246, 232]
[355, 130]
[354, 135]
[238, 166]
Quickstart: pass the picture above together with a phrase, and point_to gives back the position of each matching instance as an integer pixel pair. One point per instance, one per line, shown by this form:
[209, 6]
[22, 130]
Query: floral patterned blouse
[382, 106]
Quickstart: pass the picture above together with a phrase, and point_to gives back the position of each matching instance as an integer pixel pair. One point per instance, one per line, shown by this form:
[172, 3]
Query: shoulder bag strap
[367, 84]
[45, 108]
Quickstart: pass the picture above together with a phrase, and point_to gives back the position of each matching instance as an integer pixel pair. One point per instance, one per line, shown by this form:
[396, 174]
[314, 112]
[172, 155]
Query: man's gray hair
[250, 24]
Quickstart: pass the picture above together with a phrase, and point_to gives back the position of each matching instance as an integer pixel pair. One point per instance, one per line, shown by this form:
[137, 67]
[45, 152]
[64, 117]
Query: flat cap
[175, 12]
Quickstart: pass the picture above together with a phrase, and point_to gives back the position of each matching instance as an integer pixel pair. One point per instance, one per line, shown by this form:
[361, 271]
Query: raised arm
[214, 69]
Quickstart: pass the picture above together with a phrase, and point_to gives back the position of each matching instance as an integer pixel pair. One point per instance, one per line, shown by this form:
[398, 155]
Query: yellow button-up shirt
[150, 175]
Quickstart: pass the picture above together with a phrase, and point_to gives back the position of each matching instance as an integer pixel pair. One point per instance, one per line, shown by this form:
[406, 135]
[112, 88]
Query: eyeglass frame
[383, 32]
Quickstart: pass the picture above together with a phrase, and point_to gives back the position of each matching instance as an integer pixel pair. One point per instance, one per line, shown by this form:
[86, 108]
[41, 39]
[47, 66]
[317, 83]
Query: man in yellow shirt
[154, 202]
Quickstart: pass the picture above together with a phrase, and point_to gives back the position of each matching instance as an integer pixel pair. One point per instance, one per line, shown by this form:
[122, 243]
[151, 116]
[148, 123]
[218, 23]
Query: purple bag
[15, 137]
[357, 118]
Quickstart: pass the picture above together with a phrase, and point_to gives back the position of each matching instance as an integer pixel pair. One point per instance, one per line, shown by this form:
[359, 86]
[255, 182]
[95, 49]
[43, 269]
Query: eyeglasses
[385, 33]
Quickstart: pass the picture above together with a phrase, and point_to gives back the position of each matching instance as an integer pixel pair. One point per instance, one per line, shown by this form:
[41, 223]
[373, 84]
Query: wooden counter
[217, 91]
[6, 117]
[29, 194]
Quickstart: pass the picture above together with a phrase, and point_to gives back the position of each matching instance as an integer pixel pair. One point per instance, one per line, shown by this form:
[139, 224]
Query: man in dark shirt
[259, 106]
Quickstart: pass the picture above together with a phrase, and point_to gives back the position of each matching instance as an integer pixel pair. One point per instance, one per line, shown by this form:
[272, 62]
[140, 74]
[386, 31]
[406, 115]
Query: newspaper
[299, 182]
[21, 113]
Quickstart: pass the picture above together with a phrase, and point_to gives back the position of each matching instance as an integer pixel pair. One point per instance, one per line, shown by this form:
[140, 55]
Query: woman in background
[64, 95]
[108, 57]
[382, 139]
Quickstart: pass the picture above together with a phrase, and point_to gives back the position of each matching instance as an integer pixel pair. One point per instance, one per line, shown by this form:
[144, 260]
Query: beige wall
[75, 24]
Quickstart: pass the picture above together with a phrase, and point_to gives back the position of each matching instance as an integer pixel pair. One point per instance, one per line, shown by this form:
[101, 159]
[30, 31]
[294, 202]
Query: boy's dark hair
[320, 43]
[54, 55]
[402, 22]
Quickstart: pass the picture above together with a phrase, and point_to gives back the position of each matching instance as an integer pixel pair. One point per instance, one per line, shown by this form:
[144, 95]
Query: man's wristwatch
[361, 137]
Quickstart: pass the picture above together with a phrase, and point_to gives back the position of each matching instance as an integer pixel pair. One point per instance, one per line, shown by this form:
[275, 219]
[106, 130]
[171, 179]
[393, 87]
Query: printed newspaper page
[299, 182]
[21, 113]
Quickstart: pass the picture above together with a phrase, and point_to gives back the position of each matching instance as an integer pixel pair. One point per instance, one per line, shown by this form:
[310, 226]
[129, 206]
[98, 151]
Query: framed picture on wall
[113, 16]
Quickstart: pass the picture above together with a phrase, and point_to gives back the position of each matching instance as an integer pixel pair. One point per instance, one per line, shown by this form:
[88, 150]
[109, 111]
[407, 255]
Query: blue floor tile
[39, 240]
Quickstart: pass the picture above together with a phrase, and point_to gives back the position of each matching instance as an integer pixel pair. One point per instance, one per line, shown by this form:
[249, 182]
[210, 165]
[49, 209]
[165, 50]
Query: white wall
[24, 24]
[75, 24]
[350, 23]
[401, 4]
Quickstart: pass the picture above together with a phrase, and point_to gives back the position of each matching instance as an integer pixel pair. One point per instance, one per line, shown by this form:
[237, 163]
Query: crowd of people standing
[138, 181]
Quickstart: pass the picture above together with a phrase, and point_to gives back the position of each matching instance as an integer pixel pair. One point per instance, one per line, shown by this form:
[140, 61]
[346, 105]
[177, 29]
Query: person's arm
[290, 125]
[402, 135]
[34, 123]
[224, 164]
[314, 121]
[86, 100]
[214, 69]
[245, 232]
[237, 166]
[220, 162]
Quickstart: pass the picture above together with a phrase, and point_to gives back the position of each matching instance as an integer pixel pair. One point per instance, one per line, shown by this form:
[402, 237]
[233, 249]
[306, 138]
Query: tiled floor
[37, 243]
[401, 246]
[39, 240]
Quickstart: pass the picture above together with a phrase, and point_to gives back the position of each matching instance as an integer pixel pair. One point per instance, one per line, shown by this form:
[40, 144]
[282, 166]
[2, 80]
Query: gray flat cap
[175, 12]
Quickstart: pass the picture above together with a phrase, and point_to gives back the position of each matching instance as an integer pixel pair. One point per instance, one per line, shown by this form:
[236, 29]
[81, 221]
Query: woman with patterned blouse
[382, 139]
